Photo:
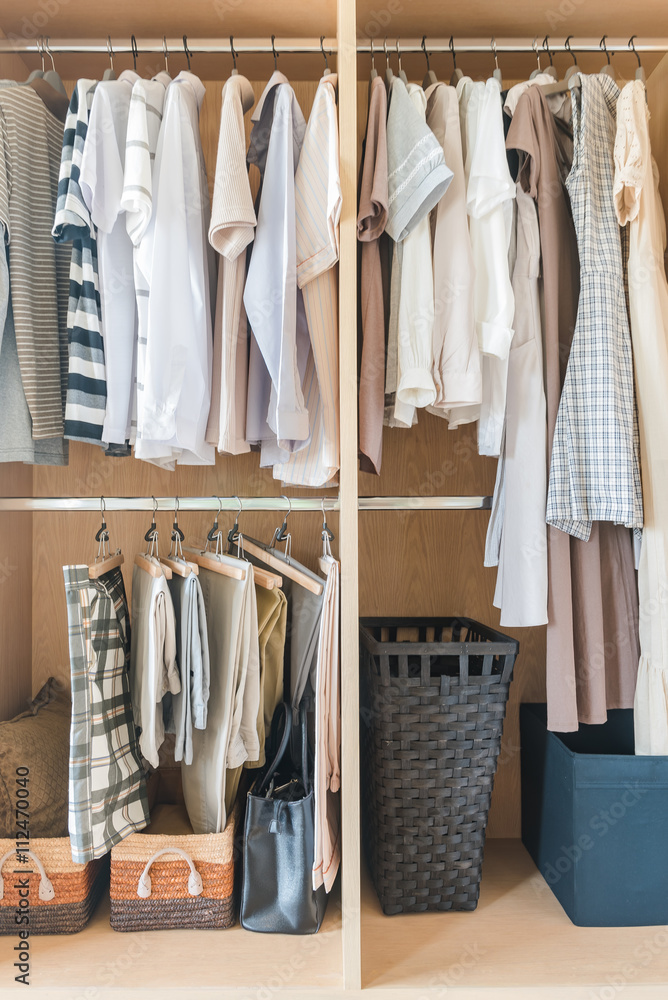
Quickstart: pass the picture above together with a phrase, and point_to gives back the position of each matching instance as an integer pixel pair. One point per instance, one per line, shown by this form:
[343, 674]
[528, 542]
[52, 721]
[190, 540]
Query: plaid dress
[107, 799]
[595, 468]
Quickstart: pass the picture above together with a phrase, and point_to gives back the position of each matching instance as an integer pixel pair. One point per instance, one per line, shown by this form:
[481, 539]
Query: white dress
[638, 204]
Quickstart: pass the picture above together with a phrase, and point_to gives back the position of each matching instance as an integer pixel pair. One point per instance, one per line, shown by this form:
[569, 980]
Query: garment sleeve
[372, 214]
[490, 183]
[629, 165]
[137, 196]
[522, 137]
[232, 215]
[270, 295]
[101, 176]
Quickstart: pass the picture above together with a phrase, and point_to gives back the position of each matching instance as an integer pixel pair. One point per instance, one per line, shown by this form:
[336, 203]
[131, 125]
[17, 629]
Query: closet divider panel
[657, 99]
[16, 574]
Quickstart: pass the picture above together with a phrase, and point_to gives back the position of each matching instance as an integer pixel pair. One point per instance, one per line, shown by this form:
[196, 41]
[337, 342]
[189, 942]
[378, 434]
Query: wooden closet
[518, 943]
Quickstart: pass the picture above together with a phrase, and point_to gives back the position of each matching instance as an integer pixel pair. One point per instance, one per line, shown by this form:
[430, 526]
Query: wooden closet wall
[404, 563]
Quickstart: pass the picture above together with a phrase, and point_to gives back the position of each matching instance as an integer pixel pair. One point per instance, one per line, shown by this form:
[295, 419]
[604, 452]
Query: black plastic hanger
[457, 74]
[430, 77]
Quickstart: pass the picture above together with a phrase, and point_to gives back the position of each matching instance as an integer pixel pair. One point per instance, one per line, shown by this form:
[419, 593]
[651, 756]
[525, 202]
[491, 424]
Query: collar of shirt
[162, 77]
[128, 76]
[284, 105]
[276, 78]
[239, 86]
[198, 88]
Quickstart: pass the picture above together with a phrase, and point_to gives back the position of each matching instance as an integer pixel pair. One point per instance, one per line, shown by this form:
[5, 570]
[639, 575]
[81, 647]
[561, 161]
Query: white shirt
[490, 192]
[177, 379]
[318, 210]
[144, 120]
[101, 180]
[270, 293]
[232, 229]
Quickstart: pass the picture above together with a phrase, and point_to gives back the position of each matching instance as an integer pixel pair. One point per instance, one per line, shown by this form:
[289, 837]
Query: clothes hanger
[37, 74]
[104, 560]
[274, 52]
[640, 72]
[51, 77]
[574, 68]
[235, 71]
[550, 69]
[534, 72]
[187, 50]
[174, 559]
[149, 561]
[109, 74]
[402, 75]
[261, 576]
[327, 538]
[457, 74]
[571, 80]
[326, 70]
[430, 77]
[135, 51]
[266, 556]
[608, 69]
[389, 75]
[374, 71]
[215, 561]
[496, 75]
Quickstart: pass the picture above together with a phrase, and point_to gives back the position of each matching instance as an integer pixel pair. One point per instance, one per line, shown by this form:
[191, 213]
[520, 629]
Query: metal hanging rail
[314, 45]
[248, 503]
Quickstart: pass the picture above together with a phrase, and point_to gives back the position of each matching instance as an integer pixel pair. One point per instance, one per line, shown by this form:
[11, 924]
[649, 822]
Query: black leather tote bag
[277, 895]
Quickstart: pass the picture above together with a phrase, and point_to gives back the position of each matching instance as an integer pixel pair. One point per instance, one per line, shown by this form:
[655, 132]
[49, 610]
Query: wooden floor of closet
[519, 943]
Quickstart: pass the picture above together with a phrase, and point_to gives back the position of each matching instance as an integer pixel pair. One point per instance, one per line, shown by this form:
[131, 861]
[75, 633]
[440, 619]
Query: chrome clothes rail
[248, 503]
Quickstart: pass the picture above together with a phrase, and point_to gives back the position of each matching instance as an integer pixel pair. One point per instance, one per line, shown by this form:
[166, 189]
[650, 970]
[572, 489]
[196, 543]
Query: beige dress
[638, 204]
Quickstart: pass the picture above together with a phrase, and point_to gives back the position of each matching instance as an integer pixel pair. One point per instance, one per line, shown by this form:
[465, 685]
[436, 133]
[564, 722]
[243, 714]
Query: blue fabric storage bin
[595, 819]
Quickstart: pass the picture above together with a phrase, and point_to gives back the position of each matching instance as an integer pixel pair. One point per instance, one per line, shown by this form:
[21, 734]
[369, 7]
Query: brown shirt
[592, 634]
[371, 220]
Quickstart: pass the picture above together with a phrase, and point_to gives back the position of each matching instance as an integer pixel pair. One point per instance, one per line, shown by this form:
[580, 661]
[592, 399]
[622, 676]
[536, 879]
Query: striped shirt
[318, 209]
[32, 138]
[144, 121]
[86, 381]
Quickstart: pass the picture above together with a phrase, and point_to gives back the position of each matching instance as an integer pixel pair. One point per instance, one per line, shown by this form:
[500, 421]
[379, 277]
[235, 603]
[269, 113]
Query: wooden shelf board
[152, 962]
[518, 938]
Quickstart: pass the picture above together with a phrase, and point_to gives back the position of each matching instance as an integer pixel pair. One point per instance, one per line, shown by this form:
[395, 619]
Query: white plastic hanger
[104, 560]
[571, 79]
[109, 74]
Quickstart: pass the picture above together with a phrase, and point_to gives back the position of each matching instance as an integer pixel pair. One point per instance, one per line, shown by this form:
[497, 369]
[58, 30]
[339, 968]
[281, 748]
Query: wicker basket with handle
[434, 693]
[61, 894]
[160, 882]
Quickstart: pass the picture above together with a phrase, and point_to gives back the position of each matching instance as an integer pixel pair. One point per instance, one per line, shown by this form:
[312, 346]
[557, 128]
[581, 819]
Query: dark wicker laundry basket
[434, 693]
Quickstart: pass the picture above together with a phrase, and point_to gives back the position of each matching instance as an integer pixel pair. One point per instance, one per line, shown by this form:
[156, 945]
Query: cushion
[39, 739]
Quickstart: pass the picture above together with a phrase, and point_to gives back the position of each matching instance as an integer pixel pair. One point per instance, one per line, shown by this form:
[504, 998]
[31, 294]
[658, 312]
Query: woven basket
[434, 694]
[173, 895]
[62, 894]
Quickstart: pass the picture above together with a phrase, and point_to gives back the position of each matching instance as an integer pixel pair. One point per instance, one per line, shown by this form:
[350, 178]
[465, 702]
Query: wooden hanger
[270, 581]
[174, 560]
[213, 560]
[457, 74]
[149, 561]
[104, 560]
[287, 569]
[430, 76]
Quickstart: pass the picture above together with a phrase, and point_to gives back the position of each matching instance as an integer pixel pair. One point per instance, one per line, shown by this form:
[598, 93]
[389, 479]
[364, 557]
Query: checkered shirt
[595, 466]
[107, 797]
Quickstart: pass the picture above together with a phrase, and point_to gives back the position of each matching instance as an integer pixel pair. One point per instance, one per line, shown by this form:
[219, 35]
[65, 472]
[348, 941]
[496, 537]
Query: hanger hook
[186, 50]
[567, 46]
[102, 535]
[398, 54]
[49, 53]
[423, 46]
[177, 534]
[322, 49]
[152, 531]
[281, 533]
[233, 533]
[327, 533]
[165, 53]
[233, 51]
[536, 52]
[373, 57]
[633, 49]
[546, 46]
[135, 51]
[493, 44]
[274, 52]
[40, 49]
[103, 507]
[213, 532]
[110, 52]
[603, 46]
[451, 45]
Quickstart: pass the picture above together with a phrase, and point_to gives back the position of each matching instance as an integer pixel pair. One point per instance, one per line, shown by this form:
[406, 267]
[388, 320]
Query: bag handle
[46, 890]
[304, 735]
[281, 717]
[195, 886]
